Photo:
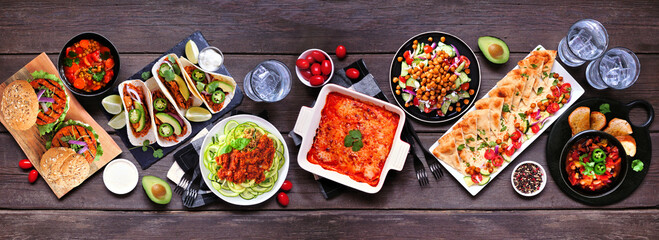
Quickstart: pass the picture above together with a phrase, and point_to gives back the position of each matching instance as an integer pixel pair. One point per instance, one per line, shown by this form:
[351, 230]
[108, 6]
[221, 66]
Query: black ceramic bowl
[615, 182]
[103, 41]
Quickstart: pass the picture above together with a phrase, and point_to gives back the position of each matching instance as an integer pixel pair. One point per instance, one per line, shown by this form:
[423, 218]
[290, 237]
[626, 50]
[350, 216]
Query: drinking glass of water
[586, 40]
[269, 81]
[618, 69]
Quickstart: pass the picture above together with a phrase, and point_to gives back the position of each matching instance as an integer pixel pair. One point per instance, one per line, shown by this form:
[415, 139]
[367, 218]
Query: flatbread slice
[464, 151]
[549, 57]
[533, 62]
[468, 128]
[491, 103]
[447, 152]
[483, 123]
[518, 84]
[506, 92]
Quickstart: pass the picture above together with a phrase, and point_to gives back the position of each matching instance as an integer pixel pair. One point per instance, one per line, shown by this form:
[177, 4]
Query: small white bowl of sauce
[120, 176]
[211, 58]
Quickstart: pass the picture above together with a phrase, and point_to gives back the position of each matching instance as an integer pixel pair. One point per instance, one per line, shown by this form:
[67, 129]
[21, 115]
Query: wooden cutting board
[34, 145]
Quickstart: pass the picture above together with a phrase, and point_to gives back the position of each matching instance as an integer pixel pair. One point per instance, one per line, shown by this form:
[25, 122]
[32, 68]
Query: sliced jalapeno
[218, 96]
[160, 104]
[165, 130]
[198, 75]
[598, 155]
[600, 168]
[134, 115]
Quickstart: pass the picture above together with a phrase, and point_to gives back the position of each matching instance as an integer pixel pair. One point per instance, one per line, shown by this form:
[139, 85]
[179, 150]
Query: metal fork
[184, 183]
[418, 166]
[432, 162]
[191, 192]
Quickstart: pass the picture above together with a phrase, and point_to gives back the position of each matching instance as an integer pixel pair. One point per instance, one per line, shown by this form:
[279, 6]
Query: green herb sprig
[354, 140]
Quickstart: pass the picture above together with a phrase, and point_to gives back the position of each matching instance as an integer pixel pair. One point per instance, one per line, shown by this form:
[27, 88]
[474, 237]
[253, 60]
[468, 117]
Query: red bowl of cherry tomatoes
[314, 67]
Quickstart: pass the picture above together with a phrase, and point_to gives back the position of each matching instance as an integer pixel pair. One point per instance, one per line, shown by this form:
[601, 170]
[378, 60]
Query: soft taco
[170, 127]
[53, 100]
[136, 98]
[167, 72]
[78, 136]
[216, 90]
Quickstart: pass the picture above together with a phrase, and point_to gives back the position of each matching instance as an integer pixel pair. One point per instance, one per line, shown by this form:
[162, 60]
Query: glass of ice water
[269, 81]
[586, 40]
[618, 69]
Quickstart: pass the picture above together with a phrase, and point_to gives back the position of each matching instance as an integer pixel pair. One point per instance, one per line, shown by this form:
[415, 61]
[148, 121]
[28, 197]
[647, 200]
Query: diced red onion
[134, 95]
[83, 149]
[457, 74]
[509, 147]
[76, 142]
[409, 91]
[434, 44]
[46, 99]
[457, 53]
[496, 148]
[422, 57]
[40, 93]
[205, 93]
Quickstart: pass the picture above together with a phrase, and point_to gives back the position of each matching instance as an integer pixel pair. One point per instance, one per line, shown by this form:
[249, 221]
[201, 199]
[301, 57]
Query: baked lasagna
[341, 115]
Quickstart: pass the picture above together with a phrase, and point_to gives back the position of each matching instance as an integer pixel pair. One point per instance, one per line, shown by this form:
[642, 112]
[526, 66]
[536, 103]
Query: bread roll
[20, 106]
[579, 120]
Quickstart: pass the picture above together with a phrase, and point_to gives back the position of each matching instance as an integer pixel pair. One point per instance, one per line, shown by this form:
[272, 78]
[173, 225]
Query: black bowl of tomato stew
[593, 163]
[89, 64]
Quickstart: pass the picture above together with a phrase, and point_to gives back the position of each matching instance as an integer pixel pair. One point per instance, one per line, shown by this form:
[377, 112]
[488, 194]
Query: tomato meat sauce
[88, 65]
[592, 164]
[247, 164]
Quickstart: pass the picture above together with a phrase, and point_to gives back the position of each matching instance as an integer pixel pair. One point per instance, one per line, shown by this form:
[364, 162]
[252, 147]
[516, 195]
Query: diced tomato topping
[109, 63]
[497, 161]
[517, 145]
[535, 128]
[406, 55]
[402, 79]
[426, 110]
[464, 86]
[490, 154]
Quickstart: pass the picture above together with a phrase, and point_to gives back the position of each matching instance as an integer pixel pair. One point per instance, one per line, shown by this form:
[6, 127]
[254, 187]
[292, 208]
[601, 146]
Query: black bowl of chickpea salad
[88, 64]
[435, 77]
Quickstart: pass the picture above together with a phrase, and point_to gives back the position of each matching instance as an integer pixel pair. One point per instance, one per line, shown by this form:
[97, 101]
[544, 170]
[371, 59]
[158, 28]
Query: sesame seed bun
[20, 105]
[64, 167]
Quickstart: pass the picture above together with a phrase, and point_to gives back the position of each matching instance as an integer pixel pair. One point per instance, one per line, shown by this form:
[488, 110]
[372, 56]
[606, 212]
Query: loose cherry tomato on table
[535, 128]
[326, 67]
[302, 64]
[25, 164]
[316, 80]
[318, 56]
[315, 69]
[341, 52]
[464, 86]
[287, 185]
[553, 108]
[352, 73]
[282, 198]
[32, 176]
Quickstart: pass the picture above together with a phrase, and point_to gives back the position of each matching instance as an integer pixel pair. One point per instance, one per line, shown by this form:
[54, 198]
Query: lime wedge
[118, 121]
[191, 51]
[112, 104]
[198, 114]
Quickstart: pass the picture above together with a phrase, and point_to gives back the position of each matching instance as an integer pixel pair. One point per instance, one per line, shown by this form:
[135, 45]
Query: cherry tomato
[306, 74]
[302, 64]
[352, 73]
[515, 136]
[409, 61]
[96, 56]
[556, 92]
[535, 128]
[316, 80]
[402, 79]
[517, 145]
[32, 176]
[25, 164]
[407, 55]
[497, 161]
[69, 76]
[427, 49]
[490, 154]
[287, 185]
[466, 60]
[426, 110]
[416, 101]
[509, 152]
[282, 198]
[464, 86]
[315, 69]
[318, 56]
[553, 108]
[310, 59]
[476, 178]
[341, 52]
[566, 88]
[326, 67]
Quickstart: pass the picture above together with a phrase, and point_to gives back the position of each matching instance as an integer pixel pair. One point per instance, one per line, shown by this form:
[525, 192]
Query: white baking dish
[309, 119]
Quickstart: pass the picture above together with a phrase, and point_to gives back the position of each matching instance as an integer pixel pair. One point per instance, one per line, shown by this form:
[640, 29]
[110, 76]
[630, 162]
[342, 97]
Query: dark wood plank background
[252, 31]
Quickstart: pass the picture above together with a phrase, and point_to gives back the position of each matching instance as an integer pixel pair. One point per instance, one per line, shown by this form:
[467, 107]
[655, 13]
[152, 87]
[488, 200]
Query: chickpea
[500, 149]
[505, 137]
[398, 87]
[446, 68]
[453, 77]
[556, 75]
[560, 79]
[457, 104]
[400, 59]
[442, 39]
[395, 79]
[415, 42]
[517, 125]
[429, 39]
[407, 104]
[466, 101]
[471, 91]
[397, 92]
[567, 96]
[553, 88]
[564, 101]
[458, 109]
[542, 108]
[450, 108]
[414, 46]
[549, 96]
[443, 90]
[421, 65]
[532, 105]
[467, 71]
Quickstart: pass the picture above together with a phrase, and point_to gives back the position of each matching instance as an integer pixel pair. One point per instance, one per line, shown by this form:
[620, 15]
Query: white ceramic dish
[542, 185]
[304, 55]
[309, 119]
[151, 135]
[283, 171]
[577, 91]
[120, 176]
[153, 86]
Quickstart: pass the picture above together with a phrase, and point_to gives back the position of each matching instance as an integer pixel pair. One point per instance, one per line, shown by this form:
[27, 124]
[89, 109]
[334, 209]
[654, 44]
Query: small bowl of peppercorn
[528, 178]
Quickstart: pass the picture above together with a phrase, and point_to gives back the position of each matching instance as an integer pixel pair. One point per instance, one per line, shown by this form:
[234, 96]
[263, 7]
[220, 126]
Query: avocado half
[494, 49]
[157, 189]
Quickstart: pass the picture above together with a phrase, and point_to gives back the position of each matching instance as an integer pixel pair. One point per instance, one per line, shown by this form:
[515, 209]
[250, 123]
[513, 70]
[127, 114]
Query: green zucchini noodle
[249, 189]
